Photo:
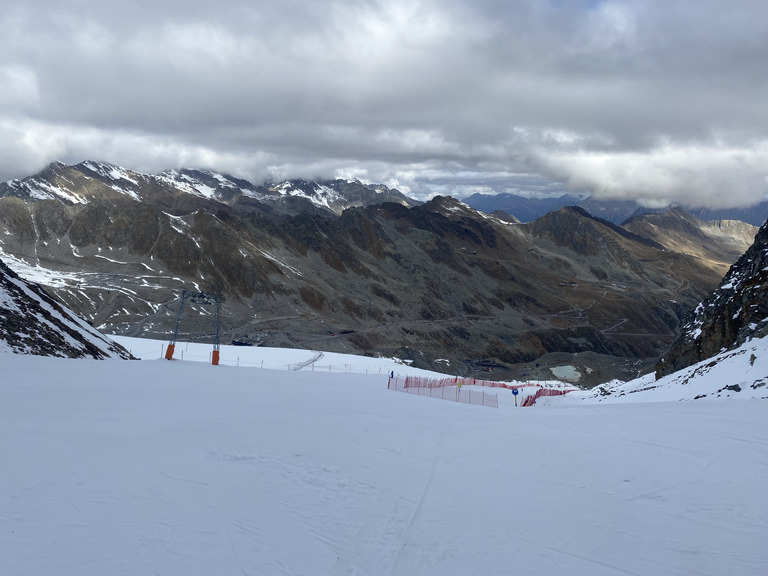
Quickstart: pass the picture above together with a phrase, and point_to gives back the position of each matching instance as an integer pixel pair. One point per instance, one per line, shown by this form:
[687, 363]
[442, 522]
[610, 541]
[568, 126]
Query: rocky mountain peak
[577, 229]
[452, 208]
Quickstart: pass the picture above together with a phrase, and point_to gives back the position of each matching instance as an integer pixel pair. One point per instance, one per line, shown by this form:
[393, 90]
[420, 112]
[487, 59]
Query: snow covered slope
[136, 468]
[737, 373]
[31, 322]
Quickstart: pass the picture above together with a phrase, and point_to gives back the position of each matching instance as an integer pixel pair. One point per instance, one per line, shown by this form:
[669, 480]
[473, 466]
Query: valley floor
[115, 467]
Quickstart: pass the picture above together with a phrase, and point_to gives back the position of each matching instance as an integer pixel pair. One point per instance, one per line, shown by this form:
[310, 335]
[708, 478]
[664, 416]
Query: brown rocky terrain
[438, 284]
[717, 242]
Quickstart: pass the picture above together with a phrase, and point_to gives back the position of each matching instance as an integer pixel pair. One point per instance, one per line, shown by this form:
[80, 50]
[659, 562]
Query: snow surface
[738, 373]
[121, 467]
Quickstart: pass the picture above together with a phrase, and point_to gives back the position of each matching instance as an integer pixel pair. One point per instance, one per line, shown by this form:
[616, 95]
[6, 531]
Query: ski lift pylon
[198, 298]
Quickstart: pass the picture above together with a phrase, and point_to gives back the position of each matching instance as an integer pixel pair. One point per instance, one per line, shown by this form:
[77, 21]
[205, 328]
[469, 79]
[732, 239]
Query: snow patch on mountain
[110, 171]
[42, 190]
[738, 373]
[319, 194]
[38, 274]
[187, 184]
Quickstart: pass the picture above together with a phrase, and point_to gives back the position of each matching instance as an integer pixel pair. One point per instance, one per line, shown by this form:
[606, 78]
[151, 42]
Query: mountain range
[526, 208]
[349, 267]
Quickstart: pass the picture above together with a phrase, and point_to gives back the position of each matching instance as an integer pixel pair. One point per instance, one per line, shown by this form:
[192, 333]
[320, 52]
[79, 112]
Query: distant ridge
[721, 242]
[616, 211]
[618, 229]
[523, 208]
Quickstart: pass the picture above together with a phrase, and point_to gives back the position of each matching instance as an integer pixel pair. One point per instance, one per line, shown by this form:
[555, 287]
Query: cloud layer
[656, 101]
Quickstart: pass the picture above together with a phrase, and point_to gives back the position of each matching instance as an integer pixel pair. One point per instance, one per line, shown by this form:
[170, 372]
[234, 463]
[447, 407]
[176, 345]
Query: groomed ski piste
[310, 465]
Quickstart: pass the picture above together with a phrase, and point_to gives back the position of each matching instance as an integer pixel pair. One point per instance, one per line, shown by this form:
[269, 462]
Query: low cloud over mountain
[649, 101]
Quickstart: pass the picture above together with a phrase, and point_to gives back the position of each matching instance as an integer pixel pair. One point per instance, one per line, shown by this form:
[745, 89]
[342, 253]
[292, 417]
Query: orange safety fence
[418, 385]
[465, 396]
[424, 382]
[531, 400]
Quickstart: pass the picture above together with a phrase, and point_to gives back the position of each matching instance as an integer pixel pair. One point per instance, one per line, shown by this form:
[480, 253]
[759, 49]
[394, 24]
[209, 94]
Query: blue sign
[514, 391]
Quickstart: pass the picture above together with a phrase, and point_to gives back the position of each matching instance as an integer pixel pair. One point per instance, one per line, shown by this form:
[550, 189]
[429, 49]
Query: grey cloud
[623, 98]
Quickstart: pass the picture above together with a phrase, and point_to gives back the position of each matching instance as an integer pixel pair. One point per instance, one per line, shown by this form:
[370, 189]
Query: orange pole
[169, 352]
[215, 359]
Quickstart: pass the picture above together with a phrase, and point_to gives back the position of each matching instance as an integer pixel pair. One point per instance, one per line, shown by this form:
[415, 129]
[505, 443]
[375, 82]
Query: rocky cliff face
[734, 313]
[31, 322]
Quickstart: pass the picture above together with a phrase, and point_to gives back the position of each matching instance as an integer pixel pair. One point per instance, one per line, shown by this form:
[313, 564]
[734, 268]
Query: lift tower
[198, 298]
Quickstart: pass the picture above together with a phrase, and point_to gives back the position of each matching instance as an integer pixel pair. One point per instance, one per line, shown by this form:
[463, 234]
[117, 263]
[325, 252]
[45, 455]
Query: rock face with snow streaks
[92, 181]
[31, 322]
[734, 313]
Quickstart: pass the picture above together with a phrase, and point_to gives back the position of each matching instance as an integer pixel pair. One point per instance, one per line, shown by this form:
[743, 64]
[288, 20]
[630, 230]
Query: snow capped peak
[223, 180]
[109, 171]
[282, 188]
[203, 183]
[81, 183]
[318, 193]
[186, 183]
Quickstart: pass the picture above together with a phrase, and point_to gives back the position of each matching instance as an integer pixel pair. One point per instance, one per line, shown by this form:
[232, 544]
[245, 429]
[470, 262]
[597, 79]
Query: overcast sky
[656, 100]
